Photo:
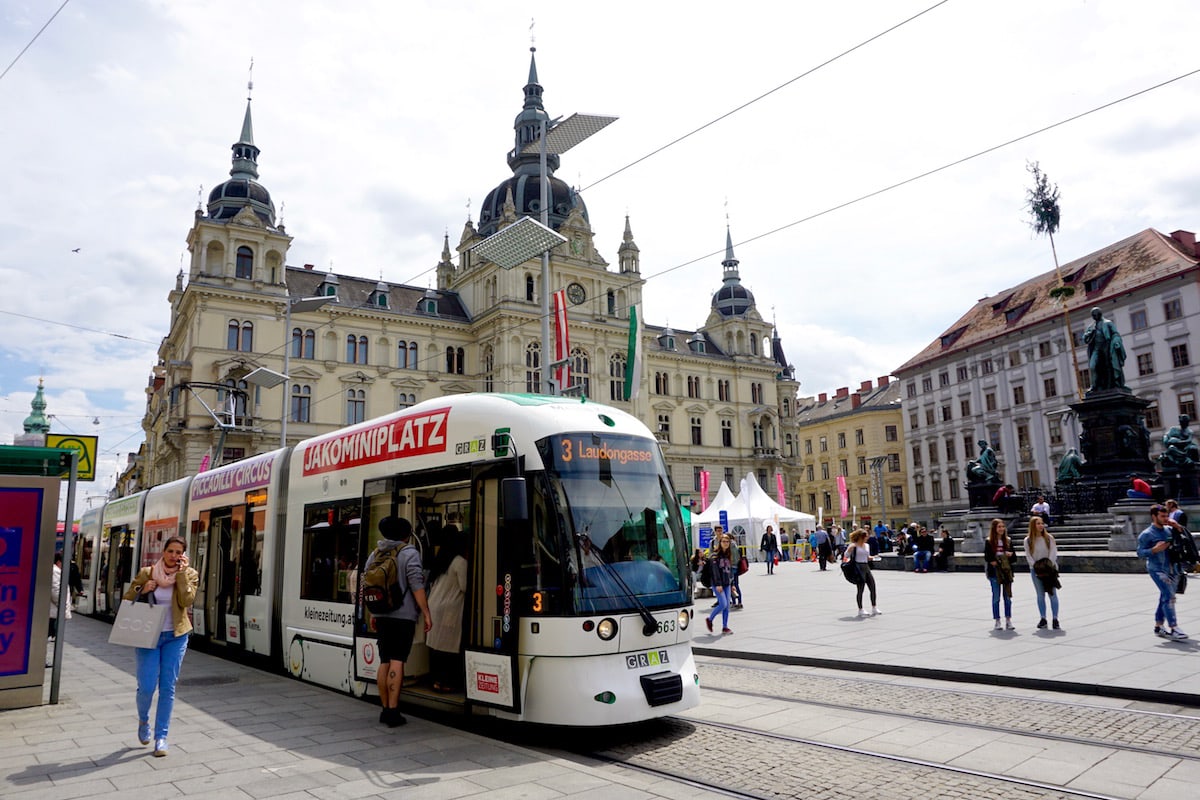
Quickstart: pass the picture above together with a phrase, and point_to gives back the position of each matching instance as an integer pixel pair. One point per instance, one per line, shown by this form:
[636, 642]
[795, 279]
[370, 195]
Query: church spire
[37, 421]
[730, 264]
[528, 125]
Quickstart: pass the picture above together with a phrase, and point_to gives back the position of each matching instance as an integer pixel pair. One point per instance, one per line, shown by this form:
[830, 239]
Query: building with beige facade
[721, 397]
[856, 435]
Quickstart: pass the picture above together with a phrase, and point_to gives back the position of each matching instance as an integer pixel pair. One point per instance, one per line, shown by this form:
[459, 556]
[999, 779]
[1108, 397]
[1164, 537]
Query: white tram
[578, 608]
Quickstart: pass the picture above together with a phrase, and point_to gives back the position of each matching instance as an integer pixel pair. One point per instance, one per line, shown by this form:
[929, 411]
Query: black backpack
[708, 573]
[1183, 549]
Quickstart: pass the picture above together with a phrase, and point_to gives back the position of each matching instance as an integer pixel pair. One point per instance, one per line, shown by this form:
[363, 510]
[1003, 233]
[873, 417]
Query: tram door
[222, 536]
[116, 566]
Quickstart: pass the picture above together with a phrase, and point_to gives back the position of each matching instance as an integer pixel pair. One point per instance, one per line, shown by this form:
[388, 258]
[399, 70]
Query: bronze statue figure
[1070, 468]
[983, 469]
[1179, 451]
[1106, 353]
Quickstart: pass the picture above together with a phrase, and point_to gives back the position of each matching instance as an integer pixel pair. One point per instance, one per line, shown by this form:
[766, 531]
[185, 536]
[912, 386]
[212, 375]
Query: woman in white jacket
[56, 581]
[1039, 545]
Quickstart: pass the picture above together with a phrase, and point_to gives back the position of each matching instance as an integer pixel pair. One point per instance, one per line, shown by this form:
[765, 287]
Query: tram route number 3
[651, 658]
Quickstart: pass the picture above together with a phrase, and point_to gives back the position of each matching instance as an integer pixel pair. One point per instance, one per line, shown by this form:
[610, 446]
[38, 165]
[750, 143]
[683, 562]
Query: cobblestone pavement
[1164, 733]
[762, 766]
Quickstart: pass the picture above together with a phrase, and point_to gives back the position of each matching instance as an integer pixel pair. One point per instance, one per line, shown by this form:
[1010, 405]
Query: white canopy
[723, 500]
[753, 510]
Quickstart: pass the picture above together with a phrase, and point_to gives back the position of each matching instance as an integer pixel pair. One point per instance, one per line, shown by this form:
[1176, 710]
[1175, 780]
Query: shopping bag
[138, 624]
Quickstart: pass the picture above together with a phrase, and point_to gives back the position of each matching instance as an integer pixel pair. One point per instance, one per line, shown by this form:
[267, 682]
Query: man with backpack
[394, 593]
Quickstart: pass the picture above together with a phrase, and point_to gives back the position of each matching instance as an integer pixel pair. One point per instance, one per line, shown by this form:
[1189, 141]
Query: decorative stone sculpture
[1106, 353]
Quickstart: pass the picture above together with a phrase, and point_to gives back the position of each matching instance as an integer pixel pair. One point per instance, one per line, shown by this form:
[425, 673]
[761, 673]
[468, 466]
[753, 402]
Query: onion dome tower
[37, 422]
[732, 299]
[523, 185]
[243, 188]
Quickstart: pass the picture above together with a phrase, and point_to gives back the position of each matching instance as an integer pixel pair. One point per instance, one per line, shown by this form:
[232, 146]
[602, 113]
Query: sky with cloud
[382, 126]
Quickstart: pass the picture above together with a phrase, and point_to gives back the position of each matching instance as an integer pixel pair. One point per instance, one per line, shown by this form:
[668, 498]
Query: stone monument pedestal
[979, 496]
[1113, 438]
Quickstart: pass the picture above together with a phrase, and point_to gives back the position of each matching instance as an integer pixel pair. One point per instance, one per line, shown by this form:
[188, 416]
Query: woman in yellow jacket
[173, 583]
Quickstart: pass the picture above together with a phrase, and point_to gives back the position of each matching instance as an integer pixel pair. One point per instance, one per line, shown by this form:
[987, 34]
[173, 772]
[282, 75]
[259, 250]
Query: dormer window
[696, 344]
[1099, 282]
[329, 286]
[379, 297]
[1000, 305]
[952, 337]
[1015, 313]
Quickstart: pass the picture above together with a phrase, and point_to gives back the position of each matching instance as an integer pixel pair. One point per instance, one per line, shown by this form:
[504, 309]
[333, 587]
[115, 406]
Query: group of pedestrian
[1041, 553]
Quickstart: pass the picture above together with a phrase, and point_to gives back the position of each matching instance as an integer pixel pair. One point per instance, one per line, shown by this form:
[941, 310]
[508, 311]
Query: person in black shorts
[396, 628]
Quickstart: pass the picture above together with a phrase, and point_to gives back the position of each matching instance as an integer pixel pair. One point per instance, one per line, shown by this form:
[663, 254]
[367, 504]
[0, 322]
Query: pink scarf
[160, 575]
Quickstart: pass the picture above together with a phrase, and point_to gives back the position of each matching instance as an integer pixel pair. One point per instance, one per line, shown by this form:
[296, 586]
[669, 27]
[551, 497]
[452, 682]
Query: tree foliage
[1043, 202]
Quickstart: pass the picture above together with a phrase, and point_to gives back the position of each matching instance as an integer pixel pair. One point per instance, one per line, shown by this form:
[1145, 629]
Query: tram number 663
[666, 626]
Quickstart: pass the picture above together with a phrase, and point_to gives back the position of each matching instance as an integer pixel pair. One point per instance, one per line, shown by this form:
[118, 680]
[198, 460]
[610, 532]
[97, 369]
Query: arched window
[458, 365]
[753, 345]
[356, 405]
[612, 303]
[412, 356]
[303, 342]
[402, 354]
[240, 336]
[454, 361]
[581, 368]
[247, 336]
[232, 401]
[234, 335]
[405, 400]
[356, 349]
[245, 262]
[529, 288]
[533, 368]
[488, 368]
[301, 403]
[616, 377]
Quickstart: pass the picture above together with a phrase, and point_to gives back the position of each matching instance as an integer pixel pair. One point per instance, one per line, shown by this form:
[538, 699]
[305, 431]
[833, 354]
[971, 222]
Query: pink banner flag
[562, 346]
[779, 489]
[843, 497]
[703, 489]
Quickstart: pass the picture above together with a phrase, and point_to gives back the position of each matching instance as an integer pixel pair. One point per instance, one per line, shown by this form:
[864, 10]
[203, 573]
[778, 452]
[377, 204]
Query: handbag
[743, 565]
[850, 570]
[1181, 586]
[138, 624]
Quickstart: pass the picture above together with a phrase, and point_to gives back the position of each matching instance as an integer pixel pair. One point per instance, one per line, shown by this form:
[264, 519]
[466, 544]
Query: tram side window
[330, 559]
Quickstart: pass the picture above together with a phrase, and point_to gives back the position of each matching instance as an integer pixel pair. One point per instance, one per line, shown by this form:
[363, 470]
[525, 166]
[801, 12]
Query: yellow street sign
[84, 445]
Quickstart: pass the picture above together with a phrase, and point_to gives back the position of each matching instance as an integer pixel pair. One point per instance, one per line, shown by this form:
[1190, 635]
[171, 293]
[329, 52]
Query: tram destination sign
[417, 434]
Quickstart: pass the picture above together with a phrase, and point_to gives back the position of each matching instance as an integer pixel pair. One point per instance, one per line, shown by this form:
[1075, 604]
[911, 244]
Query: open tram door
[228, 543]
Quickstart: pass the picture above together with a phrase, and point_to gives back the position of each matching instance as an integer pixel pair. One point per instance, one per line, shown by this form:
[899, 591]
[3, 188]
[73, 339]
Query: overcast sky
[382, 125]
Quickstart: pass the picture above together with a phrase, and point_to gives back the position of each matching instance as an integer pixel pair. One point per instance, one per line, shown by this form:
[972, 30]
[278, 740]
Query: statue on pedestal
[1069, 469]
[1180, 452]
[983, 469]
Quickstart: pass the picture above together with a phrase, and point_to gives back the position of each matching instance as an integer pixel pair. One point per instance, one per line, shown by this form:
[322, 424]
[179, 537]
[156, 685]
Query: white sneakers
[998, 626]
[1177, 634]
[875, 612]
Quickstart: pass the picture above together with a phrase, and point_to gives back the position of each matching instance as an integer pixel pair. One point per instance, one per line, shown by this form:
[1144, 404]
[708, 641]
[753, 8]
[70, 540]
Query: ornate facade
[721, 398]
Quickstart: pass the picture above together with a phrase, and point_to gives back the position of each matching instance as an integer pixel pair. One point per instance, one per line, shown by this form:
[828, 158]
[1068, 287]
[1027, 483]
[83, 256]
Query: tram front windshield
[619, 532]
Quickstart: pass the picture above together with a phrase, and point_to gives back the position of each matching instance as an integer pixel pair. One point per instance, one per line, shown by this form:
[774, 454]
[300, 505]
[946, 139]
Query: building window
[943, 379]
[301, 403]
[946, 412]
[824, 470]
[989, 401]
[950, 450]
[961, 373]
[912, 421]
[843, 468]
[929, 416]
[823, 444]
[1018, 395]
[727, 433]
[662, 383]
[454, 361]
[488, 366]
[356, 349]
[303, 343]
[994, 438]
[723, 393]
[933, 453]
[808, 447]
[581, 372]
[1152, 418]
[694, 387]
[759, 438]
[1145, 363]
[1043, 349]
[859, 438]
[897, 495]
[616, 377]
[529, 288]
[696, 431]
[926, 384]
[985, 366]
[1049, 387]
[245, 263]
[406, 355]
[533, 368]
[911, 389]
[356, 406]
[1014, 358]
[664, 428]
[789, 445]
[955, 490]
[916, 455]
[1187, 404]
[862, 465]
[893, 462]
[841, 440]
[964, 407]
[240, 336]
[889, 433]
[968, 445]
[935, 486]
[864, 499]
[1137, 320]
[1179, 355]
[919, 488]
[406, 400]
[1054, 426]
[1085, 377]
[1022, 436]
[1173, 309]
[808, 473]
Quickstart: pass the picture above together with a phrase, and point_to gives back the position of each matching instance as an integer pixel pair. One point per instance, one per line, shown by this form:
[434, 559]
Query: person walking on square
[783, 545]
[724, 568]
[1153, 545]
[56, 582]
[172, 583]
[821, 544]
[1041, 552]
[771, 545]
[735, 588]
[861, 554]
[998, 554]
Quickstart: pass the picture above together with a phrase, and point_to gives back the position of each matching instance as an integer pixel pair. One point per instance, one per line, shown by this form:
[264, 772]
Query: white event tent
[752, 510]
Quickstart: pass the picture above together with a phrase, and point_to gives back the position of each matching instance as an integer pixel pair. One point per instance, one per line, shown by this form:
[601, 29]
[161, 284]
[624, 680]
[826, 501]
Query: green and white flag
[634, 356]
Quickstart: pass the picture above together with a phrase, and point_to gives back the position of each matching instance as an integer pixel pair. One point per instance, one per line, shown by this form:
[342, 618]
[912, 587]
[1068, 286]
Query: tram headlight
[684, 619]
[607, 628]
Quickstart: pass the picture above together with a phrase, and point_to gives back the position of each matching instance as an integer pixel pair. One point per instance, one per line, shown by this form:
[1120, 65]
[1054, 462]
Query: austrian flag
[562, 343]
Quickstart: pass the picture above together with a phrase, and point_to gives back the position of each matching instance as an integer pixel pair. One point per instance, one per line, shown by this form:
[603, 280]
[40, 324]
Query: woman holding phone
[171, 582]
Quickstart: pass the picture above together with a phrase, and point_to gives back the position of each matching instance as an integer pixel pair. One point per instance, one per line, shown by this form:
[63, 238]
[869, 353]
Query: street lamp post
[269, 378]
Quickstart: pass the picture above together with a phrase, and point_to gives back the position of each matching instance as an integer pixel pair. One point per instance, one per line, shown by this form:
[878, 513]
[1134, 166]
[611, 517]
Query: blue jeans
[922, 559]
[722, 593]
[1041, 597]
[1165, 610]
[735, 589]
[771, 562]
[158, 667]
[996, 593]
